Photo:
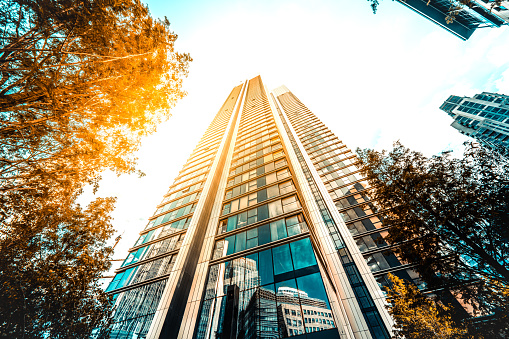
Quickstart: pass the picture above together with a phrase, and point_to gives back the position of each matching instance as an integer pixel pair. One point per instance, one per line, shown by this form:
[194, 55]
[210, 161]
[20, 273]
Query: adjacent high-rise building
[267, 232]
[484, 117]
[461, 19]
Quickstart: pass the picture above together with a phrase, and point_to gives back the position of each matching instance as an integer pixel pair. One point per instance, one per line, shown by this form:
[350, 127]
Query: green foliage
[51, 260]
[451, 217]
[81, 82]
[419, 317]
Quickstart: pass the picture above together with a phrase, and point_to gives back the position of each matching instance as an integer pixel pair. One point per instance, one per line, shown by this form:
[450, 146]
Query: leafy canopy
[81, 82]
[449, 216]
[419, 317]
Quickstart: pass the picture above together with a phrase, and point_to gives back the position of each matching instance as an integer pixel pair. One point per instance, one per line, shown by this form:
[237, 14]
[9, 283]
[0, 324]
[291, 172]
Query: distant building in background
[484, 117]
[467, 19]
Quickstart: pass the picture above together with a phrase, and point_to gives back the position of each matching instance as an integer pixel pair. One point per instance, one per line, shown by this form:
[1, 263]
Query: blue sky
[372, 79]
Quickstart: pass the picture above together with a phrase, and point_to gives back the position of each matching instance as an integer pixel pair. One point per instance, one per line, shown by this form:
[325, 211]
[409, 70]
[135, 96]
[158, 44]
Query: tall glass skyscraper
[484, 117]
[267, 232]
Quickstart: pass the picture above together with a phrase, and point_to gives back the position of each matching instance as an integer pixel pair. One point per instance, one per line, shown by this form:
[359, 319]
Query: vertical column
[197, 287]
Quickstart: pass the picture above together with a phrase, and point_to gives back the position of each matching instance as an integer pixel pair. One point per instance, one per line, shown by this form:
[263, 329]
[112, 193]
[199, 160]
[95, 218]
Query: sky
[371, 78]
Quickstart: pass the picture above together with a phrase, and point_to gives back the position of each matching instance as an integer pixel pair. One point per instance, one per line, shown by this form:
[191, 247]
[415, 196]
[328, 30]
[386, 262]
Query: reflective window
[257, 197]
[175, 226]
[260, 235]
[262, 212]
[146, 271]
[174, 214]
[275, 293]
[282, 259]
[302, 254]
[382, 260]
[364, 225]
[135, 310]
[152, 250]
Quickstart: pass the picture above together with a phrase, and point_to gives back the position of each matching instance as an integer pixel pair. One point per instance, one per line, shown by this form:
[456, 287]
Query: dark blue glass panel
[229, 243]
[240, 242]
[302, 253]
[263, 234]
[282, 259]
[265, 267]
[262, 195]
[263, 212]
[313, 285]
[232, 223]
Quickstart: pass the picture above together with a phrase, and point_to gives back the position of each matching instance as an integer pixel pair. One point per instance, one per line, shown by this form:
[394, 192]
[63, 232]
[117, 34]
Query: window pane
[242, 219]
[240, 242]
[313, 285]
[237, 272]
[252, 233]
[271, 178]
[265, 267]
[267, 321]
[286, 187]
[253, 199]
[272, 192]
[229, 244]
[302, 253]
[232, 222]
[264, 234]
[263, 212]
[262, 195]
[250, 243]
[252, 271]
[292, 220]
[269, 167]
[242, 204]
[252, 216]
[281, 229]
[282, 259]
[275, 208]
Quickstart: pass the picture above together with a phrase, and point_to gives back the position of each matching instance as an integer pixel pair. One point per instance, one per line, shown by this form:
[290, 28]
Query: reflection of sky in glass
[313, 286]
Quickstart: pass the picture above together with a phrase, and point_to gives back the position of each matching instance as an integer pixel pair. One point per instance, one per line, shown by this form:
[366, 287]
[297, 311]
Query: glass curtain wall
[263, 279]
[336, 165]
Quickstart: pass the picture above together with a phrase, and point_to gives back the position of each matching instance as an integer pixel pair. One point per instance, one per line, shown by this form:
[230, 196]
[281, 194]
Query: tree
[449, 216]
[81, 82]
[419, 317]
[50, 268]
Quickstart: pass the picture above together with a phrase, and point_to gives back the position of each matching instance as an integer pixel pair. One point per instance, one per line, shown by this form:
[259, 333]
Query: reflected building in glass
[267, 232]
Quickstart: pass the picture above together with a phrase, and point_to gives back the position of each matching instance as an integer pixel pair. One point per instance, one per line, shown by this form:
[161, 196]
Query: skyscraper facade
[459, 19]
[267, 232]
[484, 117]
